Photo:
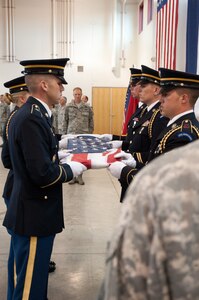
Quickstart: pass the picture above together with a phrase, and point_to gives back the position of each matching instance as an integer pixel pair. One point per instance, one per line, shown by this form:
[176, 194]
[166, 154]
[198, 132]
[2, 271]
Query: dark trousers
[11, 266]
[32, 257]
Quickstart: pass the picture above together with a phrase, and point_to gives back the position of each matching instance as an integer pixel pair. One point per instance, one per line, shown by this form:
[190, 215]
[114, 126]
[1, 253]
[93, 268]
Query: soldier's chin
[162, 112]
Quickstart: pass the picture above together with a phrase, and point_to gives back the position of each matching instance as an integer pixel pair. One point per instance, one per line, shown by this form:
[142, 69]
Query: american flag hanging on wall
[166, 33]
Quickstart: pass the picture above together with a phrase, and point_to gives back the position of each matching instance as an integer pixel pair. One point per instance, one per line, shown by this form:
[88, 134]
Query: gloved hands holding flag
[116, 168]
[115, 144]
[76, 167]
[64, 140]
[126, 158]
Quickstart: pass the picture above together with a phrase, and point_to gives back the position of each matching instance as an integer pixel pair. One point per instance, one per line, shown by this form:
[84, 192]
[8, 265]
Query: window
[150, 11]
[141, 16]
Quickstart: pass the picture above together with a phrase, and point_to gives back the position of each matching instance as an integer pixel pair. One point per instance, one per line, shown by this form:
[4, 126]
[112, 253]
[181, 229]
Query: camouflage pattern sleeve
[153, 254]
[91, 120]
[65, 121]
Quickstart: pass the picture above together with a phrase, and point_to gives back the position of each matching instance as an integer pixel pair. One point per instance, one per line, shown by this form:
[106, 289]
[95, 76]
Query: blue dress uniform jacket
[36, 207]
[180, 133]
[145, 133]
[131, 124]
[6, 158]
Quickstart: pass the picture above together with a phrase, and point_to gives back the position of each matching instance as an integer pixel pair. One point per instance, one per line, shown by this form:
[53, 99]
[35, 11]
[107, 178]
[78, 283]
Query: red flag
[131, 105]
[166, 33]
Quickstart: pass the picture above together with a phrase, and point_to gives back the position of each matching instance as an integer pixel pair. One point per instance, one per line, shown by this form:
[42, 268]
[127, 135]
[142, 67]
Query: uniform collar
[45, 106]
[152, 105]
[179, 116]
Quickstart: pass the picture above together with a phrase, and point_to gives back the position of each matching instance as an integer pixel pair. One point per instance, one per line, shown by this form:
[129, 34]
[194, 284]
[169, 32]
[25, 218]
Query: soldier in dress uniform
[147, 129]
[18, 94]
[153, 253]
[125, 140]
[35, 211]
[179, 92]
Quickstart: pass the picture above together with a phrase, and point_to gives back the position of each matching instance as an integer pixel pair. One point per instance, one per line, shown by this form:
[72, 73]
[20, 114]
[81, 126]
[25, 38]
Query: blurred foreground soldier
[154, 251]
[35, 211]
[179, 92]
[78, 119]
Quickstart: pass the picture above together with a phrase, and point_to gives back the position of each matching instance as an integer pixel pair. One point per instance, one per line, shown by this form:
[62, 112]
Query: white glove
[127, 159]
[115, 144]
[116, 168]
[68, 136]
[64, 142]
[77, 168]
[106, 137]
[63, 154]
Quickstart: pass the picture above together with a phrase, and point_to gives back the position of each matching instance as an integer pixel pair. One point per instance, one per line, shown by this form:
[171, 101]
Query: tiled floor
[91, 212]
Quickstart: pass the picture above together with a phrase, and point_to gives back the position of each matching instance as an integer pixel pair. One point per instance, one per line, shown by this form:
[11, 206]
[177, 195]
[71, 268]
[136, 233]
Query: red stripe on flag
[166, 33]
[110, 156]
[82, 158]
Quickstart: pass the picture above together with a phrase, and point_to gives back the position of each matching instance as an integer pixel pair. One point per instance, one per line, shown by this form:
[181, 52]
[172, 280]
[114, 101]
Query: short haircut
[77, 88]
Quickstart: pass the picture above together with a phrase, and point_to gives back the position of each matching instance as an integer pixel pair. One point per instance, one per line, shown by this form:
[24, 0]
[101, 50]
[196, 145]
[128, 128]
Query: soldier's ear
[184, 98]
[156, 91]
[44, 85]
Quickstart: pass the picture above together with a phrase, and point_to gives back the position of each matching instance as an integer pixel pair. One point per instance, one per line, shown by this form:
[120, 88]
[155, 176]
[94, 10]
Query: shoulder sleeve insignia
[186, 124]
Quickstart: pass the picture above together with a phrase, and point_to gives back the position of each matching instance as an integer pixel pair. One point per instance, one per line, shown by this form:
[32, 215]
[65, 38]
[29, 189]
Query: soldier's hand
[63, 154]
[106, 137]
[64, 142]
[77, 168]
[127, 159]
[115, 144]
[116, 168]
[68, 136]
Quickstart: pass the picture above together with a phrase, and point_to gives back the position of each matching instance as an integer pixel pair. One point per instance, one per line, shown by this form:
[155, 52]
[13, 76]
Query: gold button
[45, 197]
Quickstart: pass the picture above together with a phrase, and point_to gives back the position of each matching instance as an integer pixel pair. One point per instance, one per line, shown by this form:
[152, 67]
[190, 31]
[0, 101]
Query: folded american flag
[91, 151]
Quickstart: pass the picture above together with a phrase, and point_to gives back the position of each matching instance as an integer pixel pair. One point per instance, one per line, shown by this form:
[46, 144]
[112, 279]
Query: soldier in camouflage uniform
[61, 114]
[4, 113]
[78, 119]
[153, 254]
[78, 116]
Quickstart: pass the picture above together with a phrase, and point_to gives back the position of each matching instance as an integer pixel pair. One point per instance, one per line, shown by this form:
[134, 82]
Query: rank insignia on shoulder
[35, 109]
[174, 126]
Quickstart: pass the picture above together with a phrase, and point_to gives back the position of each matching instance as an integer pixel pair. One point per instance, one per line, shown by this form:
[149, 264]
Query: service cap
[16, 85]
[46, 66]
[149, 75]
[135, 75]
[178, 79]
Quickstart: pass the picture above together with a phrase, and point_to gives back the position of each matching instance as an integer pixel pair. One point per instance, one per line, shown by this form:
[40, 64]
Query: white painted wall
[93, 41]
